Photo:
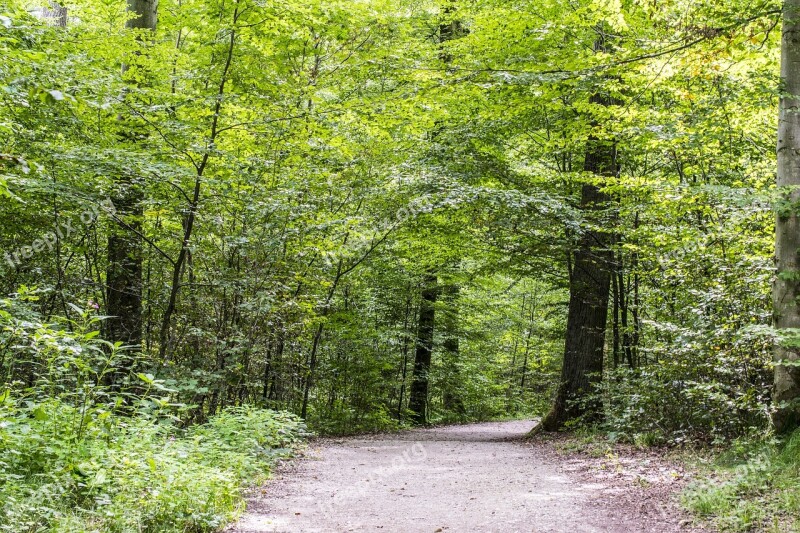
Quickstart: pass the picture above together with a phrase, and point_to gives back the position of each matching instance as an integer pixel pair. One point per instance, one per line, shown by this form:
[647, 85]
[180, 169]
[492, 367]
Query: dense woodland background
[371, 213]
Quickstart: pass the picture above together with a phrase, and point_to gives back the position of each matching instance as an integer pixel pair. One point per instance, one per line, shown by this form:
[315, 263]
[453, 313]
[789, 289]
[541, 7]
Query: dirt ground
[478, 477]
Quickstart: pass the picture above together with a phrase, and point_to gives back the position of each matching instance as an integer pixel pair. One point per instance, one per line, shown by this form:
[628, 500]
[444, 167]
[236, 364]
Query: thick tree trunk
[786, 289]
[418, 396]
[124, 274]
[589, 294]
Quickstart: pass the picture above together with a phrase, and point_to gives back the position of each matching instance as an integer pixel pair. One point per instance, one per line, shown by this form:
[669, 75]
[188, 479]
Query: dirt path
[479, 477]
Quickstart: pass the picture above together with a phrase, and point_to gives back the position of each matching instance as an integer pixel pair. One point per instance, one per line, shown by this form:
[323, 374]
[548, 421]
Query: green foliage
[74, 458]
[709, 387]
[305, 166]
[131, 474]
[754, 487]
[332, 154]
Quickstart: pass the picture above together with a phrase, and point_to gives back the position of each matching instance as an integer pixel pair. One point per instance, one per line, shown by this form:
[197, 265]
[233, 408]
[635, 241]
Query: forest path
[478, 477]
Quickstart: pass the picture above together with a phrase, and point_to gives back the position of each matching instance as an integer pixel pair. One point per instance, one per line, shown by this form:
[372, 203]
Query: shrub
[77, 455]
[707, 386]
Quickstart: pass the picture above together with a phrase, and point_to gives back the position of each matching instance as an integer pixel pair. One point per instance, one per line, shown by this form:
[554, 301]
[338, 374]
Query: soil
[478, 477]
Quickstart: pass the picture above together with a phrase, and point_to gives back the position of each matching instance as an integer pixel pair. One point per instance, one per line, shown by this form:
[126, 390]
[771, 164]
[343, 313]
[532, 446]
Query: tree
[786, 288]
[589, 286]
[125, 254]
[418, 395]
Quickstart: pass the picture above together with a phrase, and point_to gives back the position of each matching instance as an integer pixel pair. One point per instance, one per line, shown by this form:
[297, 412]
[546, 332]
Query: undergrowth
[752, 487]
[82, 450]
[131, 474]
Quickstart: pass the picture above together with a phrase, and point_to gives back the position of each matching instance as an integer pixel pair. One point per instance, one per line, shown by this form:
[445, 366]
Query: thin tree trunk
[528, 339]
[200, 168]
[635, 314]
[786, 288]
[451, 396]
[404, 363]
[312, 365]
[615, 314]
[418, 397]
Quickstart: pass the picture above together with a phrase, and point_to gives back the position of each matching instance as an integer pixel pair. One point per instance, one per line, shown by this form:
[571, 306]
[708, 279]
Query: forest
[227, 225]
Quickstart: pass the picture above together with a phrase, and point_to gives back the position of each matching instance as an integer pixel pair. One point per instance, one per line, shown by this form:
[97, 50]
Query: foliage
[73, 458]
[304, 166]
[754, 487]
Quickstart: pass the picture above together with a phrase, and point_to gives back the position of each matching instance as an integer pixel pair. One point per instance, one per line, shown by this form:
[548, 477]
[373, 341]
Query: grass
[752, 487]
[122, 474]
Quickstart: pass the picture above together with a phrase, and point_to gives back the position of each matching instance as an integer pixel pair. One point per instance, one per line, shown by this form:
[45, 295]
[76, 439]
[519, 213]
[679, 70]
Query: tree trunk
[451, 395]
[786, 289]
[418, 396]
[589, 294]
[615, 313]
[124, 274]
[56, 14]
[404, 363]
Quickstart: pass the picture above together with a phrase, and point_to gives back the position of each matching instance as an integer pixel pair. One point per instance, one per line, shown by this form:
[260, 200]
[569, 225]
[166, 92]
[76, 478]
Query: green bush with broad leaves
[77, 455]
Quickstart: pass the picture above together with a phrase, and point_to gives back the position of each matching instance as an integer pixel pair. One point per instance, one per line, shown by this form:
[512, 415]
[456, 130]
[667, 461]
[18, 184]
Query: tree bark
[56, 14]
[786, 288]
[589, 294]
[124, 273]
[418, 395]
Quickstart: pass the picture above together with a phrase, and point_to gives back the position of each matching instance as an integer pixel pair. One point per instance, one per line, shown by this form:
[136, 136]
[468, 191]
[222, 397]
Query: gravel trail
[478, 477]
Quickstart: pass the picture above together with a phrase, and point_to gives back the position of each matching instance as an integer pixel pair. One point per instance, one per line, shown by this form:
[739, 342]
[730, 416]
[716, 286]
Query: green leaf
[147, 378]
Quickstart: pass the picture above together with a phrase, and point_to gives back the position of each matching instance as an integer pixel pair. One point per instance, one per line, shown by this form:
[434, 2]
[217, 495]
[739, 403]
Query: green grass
[123, 474]
[753, 487]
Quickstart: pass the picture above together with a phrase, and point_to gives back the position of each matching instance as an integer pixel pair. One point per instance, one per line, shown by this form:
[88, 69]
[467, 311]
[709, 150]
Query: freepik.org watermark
[416, 453]
[62, 231]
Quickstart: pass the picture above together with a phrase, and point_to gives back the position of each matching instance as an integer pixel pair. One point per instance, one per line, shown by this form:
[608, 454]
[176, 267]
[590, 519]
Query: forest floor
[478, 477]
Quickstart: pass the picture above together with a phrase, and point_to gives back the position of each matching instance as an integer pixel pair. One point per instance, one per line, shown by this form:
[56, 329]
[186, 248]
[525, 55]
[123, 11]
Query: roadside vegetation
[77, 455]
[752, 486]
[223, 219]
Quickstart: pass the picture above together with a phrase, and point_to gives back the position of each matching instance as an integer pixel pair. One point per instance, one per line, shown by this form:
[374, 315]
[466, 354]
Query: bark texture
[56, 14]
[124, 273]
[418, 395]
[786, 288]
[589, 287]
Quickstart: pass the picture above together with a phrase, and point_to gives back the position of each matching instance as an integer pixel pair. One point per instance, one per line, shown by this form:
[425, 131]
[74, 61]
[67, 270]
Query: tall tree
[124, 274]
[450, 28]
[418, 395]
[786, 289]
[589, 284]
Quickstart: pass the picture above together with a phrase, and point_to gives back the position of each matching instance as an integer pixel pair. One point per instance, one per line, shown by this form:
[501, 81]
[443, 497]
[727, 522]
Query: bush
[706, 387]
[77, 455]
[129, 473]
